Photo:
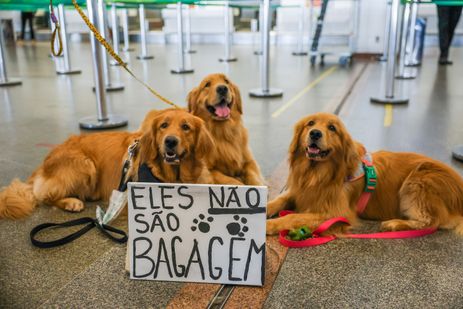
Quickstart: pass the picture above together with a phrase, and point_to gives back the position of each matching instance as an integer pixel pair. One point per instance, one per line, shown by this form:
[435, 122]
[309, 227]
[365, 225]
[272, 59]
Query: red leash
[317, 239]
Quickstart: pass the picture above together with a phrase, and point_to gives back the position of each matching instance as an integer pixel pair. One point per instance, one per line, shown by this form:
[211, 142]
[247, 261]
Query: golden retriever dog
[217, 101]
[88, 167]
[413, 191]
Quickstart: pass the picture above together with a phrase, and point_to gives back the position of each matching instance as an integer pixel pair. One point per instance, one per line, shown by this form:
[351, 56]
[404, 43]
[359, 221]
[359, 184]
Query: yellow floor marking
[387, 115]
[285, 106]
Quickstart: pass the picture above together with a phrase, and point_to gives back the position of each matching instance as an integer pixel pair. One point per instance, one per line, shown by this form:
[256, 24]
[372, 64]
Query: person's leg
[31, 26]
[443, 14]
[454, 17]
[23, 24]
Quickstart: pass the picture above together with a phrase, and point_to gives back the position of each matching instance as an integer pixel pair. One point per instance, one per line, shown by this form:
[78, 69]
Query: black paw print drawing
[202, 224]
[236, 228]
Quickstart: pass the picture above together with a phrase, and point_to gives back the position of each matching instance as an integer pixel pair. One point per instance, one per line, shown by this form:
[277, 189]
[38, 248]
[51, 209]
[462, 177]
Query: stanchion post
[403, 44]
[64, 37]
[301, 24]
[411, 37]
[389, 97]
[109, 84]
[387, 32]
[103, 120]
[261, 33]
[228, 33]
[125, 30]
[144, 53]
[265, 91]
[188, 48]
[4, 80]
[181, 56]
[115, 28]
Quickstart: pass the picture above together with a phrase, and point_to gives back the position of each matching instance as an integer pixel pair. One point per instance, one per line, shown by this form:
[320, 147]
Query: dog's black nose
[222, 90]
[171, 142]
[315, 134]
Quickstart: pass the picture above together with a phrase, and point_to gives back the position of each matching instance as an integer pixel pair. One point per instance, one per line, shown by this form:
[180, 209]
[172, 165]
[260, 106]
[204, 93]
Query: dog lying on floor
[217, 101]
[413, 191]
[88, 167]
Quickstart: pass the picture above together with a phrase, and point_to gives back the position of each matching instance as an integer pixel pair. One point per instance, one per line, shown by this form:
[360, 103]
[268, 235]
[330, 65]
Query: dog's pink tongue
[223, 111]
[313, 150]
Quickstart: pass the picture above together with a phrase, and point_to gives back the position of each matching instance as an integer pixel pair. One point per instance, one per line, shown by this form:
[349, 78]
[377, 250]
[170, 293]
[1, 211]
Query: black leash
[91, 223]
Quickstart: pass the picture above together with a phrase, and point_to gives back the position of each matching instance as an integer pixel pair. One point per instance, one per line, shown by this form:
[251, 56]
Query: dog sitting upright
[88, 167]
[218, 102]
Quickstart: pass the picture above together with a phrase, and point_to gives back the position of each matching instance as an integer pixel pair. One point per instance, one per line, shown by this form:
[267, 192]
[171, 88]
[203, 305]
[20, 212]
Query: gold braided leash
[116, 56]
[56, 31]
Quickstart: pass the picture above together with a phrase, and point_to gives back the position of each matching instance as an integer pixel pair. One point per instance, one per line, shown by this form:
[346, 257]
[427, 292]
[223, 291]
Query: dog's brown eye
[164, 125]
[185, 127]
[226, 81]
[332, 128]
[311, 123]
[207, 84]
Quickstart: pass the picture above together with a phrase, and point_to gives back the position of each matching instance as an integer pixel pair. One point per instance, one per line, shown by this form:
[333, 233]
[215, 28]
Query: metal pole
[103, 120]
[265, 90]
[109, 84]
[115, 28]
[411, 37]
[389, 97]
[386, 32]
[181, 57]
[144, 52]
[261, 22]
[403, 44]
[300, 41]
[227, 57]
[125, 30]
[188, 32]
[64, 37]
[4, 80]
[310, 22]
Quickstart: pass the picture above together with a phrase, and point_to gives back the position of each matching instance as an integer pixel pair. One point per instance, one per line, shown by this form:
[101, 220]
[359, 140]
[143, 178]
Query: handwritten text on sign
[197, 233]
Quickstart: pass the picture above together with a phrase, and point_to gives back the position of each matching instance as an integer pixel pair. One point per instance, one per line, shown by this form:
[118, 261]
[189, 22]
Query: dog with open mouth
[88, 167]
[326, 181]
[217, 101]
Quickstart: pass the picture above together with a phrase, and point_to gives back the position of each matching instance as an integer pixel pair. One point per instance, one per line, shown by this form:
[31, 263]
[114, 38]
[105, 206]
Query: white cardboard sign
[197, 233]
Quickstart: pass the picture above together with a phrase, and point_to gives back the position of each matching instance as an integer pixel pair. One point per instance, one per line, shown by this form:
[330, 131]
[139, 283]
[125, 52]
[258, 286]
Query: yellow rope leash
[116, 56]
[56, 31]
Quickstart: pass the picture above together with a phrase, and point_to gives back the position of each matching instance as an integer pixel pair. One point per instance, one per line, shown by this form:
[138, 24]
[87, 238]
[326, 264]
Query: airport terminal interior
[376, 64]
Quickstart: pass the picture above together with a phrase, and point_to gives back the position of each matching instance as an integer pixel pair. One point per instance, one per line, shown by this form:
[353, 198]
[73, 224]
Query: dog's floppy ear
[294, 146]
[192, 100]
[237, 98]
[204, 141]
[352, 151]
[148, 145]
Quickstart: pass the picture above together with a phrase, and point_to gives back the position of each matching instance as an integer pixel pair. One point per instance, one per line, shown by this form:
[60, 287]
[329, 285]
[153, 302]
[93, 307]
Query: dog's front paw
[71, 204]
[272, 227]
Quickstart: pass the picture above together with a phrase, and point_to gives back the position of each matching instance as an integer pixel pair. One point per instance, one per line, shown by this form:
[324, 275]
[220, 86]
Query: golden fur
[413, 191]
[88, 167]
[232, 162]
